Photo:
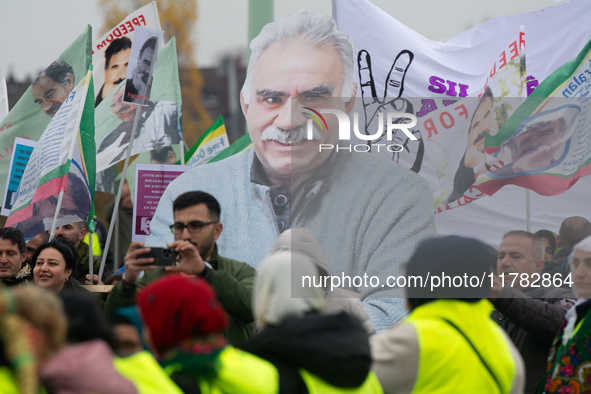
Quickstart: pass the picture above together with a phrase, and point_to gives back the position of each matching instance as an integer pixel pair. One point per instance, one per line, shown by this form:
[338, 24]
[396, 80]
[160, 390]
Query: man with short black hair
[572, 231]
[116, 61]
[528, 308]
[14, 270]
[196, 228]
[34, 243]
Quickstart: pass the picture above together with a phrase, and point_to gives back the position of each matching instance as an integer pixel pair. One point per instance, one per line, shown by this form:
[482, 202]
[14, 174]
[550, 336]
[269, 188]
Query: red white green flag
[545, 145]
[61, 170]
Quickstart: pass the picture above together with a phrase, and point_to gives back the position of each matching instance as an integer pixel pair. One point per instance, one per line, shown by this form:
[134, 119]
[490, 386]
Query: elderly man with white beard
[368, 214]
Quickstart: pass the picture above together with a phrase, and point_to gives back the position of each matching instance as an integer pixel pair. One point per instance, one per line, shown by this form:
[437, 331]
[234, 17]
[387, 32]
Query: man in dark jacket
[528, 308]
[14, 269]
[196, 227]
[572, 231]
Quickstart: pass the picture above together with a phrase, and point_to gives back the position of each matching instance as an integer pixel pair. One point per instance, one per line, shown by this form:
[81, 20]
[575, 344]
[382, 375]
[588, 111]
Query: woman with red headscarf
[184, 327]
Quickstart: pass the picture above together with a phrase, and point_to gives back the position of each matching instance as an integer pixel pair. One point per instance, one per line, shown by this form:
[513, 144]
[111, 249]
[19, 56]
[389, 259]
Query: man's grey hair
[581, 246]
[314, 30]
[537, 246]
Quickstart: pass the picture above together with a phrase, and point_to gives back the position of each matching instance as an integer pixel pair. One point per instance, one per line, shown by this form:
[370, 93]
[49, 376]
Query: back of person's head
[20, 344]
[66, 249]
[15, 236]
[176, 308]
[43, 309]
[85, 321]
[193, 198]
[573, 230]
[452, 256]
[127, 328]
[273, 303]
[302, 241]
[548, 236]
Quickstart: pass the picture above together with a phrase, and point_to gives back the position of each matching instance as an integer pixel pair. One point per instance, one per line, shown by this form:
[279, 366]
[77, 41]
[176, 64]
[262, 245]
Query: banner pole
[527, 211]
[116, 245]
[120, 190]
[90, 258]
[57, 213]
[182, 152]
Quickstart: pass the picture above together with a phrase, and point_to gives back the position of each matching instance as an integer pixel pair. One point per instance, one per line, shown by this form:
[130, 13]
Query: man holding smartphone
[196, 228]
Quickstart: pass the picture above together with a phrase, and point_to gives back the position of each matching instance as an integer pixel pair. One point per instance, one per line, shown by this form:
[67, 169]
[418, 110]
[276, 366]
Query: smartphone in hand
[163, 257]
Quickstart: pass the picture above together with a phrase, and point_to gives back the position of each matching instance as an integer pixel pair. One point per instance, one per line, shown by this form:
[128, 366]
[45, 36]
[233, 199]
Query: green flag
[37, 106]
[60, 172]
[242, 143]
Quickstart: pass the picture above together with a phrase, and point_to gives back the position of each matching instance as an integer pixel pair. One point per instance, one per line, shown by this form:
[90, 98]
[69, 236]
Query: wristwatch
[206, 269]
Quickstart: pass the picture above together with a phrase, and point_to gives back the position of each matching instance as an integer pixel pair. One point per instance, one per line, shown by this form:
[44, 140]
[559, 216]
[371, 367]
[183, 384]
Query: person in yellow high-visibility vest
[185, 324]
[448, 343]
[96, 245]
[314, 351]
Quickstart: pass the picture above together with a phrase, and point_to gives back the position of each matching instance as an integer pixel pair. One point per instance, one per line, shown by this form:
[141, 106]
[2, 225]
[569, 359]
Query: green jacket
[232, 281]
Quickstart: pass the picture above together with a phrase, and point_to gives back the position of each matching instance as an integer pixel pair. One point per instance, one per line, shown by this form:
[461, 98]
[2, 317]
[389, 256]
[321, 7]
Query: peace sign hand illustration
[391, 101]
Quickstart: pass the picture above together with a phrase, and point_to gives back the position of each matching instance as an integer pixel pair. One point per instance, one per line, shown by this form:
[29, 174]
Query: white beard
[289, 137]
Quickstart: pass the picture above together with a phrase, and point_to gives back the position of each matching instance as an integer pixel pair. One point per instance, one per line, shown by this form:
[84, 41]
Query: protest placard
[150, 182]
[22, 149]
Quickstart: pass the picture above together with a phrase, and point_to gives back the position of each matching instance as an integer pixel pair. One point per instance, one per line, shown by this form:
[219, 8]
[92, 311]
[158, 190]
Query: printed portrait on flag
[544, 151]
[111, 51]
[142, 58]
[116, 62]
[157, 128]
[75, 207]
[539, 146]
[62, 163]
[159, 124]
[53, 86]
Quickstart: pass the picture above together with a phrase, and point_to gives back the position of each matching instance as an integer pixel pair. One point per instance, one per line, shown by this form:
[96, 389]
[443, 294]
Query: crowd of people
[212, 324]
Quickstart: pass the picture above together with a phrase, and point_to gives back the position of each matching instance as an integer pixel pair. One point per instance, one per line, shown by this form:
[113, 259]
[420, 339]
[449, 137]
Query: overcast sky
[35, 32]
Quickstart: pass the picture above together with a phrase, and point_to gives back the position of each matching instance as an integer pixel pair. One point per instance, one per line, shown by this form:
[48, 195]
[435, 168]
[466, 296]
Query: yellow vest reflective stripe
[146, 374]
[316, 385]
[8, 383]
[96, 244]
[447, 362]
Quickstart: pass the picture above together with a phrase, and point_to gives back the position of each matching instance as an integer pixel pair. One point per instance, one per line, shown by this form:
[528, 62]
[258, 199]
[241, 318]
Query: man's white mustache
[289, 137]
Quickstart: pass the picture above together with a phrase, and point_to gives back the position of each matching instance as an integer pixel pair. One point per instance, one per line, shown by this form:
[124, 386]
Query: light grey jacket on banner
[368, 214]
